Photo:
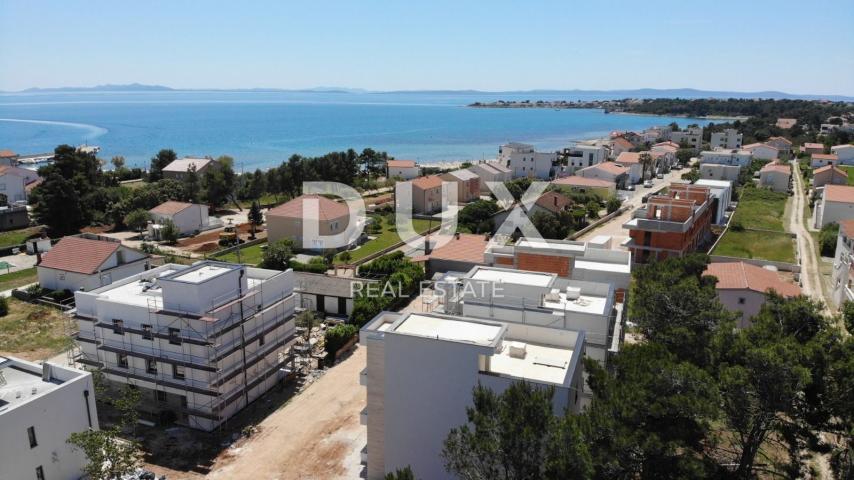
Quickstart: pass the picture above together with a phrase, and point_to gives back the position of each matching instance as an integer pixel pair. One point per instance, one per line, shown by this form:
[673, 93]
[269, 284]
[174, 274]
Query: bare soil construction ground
[315, 434]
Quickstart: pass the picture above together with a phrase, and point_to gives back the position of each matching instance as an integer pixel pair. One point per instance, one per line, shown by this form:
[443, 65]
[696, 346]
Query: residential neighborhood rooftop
[575, 180]
[744, 276]
[427, 182]
[839, 193]
[80, 255]
[401, 163]
[171, 207]
[184, 164]
[327, 209]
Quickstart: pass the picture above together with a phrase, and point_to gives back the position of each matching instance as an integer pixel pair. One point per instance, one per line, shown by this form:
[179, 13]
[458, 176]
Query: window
[184, 401]
[178, 371]
[175, 336]
[118, 326]
[39, 473]
[741, 300]
[147, 333]
[261, 340]
[160, 395]
[31, 433]
[122, 360]
[151, 366]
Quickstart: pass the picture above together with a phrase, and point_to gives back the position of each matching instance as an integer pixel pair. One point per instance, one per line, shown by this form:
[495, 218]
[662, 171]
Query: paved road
[810, 276]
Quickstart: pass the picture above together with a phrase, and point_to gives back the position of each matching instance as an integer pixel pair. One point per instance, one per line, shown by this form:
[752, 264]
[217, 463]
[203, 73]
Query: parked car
[659, 176]
[630, 188]
[647, 184]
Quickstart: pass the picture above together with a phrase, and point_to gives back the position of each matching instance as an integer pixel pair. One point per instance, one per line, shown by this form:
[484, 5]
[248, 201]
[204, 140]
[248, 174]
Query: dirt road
[810, 276]
[316, 435]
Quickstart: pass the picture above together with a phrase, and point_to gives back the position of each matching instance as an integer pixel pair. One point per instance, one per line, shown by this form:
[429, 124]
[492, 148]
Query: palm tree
[647, 164]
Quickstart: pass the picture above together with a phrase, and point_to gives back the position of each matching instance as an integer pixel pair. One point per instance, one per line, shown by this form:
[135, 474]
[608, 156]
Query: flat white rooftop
[584, 304]
[201, 274]
[139, 293]
[543, 244]
[540, 363]
[603, 266]
[714, 183]
[513, 276]
[448, 329]
[19, 384]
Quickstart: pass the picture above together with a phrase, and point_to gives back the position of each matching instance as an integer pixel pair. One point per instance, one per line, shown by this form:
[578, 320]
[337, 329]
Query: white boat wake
[93, 131]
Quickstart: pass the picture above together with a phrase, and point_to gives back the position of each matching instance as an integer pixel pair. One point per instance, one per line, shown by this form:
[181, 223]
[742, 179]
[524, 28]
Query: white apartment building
[842, 276]
[721, 191]
[491, 172]
[189, 218]
[742, 158]
[40, 407]
[836, 204]
[713, 171]
[200, 341]
[844, 153]
[762, 151]
[524, 162]
[583, 156]
[729, 139]
[691, 136]
[537, 298]
[405, 169]
[422, 368]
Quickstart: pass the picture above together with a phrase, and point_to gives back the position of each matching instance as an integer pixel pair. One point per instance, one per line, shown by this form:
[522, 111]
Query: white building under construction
[202, 342]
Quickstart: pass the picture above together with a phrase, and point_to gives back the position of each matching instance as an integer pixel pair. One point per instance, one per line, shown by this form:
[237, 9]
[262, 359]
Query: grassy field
[850, 172]
[12, 280]
[777, 247]
[386, 239]
[761, 209]
[252, 255]
[17, 237]
[32, 332]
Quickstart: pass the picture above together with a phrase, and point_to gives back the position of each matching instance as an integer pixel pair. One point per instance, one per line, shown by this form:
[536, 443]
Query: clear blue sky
[792, 46]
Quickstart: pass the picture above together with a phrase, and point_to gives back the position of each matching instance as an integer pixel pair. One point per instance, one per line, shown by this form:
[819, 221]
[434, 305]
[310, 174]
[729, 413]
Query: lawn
[12, 280]
[761, 209]
[850, 172]
[777, 247]
[17, 237]
[251, 255]
[384, 240]
[33, 332]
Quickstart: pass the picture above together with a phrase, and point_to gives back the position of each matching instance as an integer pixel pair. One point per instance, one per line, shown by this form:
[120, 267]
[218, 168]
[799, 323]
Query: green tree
[477, 216]
[137, 219]
[647, 164]
[401, 474]
[57, 205]
[515, 435]
[192, 186]
[827, 239]
[613, 204]
[593, 208]
[4, 306]
[255, 217]
[345, 256]
[676, 306]
[159, 162]
[169, 232]
[118, 162]
[278, 254]
[218, 183]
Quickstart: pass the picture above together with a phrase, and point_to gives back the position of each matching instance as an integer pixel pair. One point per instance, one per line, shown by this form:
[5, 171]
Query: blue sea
[262, 129]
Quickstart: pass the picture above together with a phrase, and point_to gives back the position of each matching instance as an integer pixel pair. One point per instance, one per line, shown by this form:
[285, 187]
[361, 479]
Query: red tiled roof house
[87, 262]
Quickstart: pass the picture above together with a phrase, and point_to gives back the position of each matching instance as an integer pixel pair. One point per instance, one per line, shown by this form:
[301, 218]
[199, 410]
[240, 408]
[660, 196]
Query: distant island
[639, 93]
[607, 105]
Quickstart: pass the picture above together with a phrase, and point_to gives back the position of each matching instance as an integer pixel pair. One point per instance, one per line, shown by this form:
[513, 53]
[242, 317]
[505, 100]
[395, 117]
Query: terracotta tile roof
[847, 227]
[824, 156]
[401, 163]
[744, 276]
[30, 186]
[328, 209]
[813, 145]
[623, 142]
[755, 145]
[467, 248]
[7, 153]
[628, 157]
[839, 193]
[576, 181]
[170, 207]
[461, 175]
[786, 122]
[553, 202]
[80, 255]
[836, 171]
[428, 182]
[776, 167]
[668, 143]
[781, 139]
[609, 167]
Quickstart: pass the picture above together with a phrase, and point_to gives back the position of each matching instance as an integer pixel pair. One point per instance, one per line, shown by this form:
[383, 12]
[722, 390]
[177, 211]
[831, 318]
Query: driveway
[21, 261]
[810, 275]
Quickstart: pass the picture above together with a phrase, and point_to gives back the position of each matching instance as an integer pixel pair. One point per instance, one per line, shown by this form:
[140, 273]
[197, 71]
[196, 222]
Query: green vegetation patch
[251, 255]
[33, 330]
[776, 247]
[12, 280]
[760, 209]
[386, 236]
[17, 237]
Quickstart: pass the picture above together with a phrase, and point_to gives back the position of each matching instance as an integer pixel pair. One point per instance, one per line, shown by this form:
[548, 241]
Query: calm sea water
[261, 129]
